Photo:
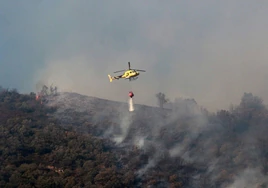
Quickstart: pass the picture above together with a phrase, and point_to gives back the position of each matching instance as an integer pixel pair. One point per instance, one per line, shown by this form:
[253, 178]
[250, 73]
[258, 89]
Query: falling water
[131, 105]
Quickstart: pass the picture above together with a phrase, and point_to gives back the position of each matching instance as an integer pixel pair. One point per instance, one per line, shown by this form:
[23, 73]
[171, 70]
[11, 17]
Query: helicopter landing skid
[132, 79]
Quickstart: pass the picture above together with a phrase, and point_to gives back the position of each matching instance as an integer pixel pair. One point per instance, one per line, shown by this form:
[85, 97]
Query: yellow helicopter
[131, 74]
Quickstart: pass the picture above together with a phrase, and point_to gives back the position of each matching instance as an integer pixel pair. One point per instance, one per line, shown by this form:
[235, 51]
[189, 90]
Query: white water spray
[131, 105]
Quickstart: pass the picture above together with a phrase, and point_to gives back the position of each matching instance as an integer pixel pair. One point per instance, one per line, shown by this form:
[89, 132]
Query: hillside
[73, 140]
[104, 115]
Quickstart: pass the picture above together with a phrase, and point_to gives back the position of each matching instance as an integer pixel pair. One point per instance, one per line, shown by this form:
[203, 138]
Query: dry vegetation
[72, 141]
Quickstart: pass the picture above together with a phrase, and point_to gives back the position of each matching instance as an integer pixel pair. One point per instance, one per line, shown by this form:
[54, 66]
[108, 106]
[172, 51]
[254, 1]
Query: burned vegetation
[72, 141]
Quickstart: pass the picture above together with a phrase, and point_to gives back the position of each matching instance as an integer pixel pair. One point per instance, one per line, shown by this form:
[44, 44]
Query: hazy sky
[209, 50]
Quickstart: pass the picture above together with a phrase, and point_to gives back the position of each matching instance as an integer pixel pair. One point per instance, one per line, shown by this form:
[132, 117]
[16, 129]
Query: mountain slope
[38, 149]
[72, 140]
[221, 147]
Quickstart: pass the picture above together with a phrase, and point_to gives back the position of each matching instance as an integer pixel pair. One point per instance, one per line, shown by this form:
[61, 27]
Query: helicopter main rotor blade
[139, 70]
[119, 71]
[128, 65]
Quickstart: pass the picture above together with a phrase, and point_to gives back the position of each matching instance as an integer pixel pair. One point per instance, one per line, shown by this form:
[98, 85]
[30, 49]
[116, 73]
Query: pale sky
[212, 51]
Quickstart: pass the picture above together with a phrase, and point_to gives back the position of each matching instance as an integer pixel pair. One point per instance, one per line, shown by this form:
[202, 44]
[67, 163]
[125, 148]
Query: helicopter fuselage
[130, 74]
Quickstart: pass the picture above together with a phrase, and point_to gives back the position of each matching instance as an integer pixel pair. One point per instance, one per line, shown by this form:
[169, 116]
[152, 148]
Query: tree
[44, 90]
[250, 101]
[56, 90]
[161, 97]
[53, 90]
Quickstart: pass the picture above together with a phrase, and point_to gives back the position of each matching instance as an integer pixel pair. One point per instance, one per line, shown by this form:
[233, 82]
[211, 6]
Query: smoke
[249, 178]
[139, 141]
[125, 122]
[143, 170]
[210, 51]
[186, 133]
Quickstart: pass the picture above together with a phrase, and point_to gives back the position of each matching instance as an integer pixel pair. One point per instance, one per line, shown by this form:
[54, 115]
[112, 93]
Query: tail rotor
[110, 78]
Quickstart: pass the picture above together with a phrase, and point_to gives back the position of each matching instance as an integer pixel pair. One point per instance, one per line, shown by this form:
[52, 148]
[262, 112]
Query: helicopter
[130, 74]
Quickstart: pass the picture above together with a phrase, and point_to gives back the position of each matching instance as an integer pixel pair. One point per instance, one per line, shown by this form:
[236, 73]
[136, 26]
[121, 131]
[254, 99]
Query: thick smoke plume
[210, 51]
[230, 146]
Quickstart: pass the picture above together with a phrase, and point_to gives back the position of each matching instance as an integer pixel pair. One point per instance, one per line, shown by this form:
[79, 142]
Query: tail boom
[111, 78]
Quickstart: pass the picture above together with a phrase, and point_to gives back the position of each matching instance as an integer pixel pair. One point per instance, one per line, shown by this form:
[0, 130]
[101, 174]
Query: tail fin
[110, 78]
